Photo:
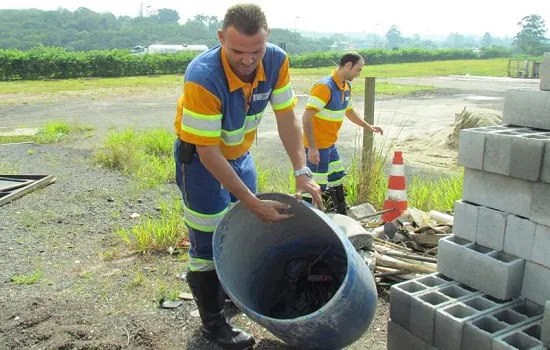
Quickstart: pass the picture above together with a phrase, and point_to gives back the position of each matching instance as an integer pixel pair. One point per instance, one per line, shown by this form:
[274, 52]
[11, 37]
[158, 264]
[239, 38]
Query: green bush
[57, 63]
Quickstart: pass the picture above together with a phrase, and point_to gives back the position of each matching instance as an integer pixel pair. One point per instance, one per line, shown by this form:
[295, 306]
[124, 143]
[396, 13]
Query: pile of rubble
[403, 249]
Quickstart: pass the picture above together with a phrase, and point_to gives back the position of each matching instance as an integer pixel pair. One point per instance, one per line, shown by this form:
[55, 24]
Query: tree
[167, 16]
[393, 36]
[455, 40]
[487, 40]
[531, 38]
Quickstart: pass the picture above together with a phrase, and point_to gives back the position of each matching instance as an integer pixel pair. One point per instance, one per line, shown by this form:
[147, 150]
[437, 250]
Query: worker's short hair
[353, 57]
[246, 18]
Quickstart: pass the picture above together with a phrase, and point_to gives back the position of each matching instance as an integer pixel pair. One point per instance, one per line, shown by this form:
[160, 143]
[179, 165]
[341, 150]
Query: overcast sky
[425, 17]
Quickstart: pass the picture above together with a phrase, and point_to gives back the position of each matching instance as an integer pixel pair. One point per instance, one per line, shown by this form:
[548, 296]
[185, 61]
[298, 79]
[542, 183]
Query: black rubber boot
[328, 201]
[207, 292]
[339, 199]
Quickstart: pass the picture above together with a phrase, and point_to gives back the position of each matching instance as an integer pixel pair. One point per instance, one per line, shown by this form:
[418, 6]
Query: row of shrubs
[57, 63]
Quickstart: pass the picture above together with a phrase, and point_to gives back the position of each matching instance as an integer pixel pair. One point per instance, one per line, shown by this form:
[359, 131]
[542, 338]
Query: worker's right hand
[313, 155]
[270, 211]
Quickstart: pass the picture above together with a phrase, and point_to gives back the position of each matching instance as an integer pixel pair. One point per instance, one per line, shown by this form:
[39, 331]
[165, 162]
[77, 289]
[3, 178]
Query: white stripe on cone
[396, 195]
[397, 170]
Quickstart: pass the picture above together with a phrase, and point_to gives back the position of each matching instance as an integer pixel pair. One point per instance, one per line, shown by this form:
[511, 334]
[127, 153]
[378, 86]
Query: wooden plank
[368, 137]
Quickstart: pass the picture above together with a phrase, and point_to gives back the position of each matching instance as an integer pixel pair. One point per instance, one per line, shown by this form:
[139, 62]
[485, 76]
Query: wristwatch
[303, 171]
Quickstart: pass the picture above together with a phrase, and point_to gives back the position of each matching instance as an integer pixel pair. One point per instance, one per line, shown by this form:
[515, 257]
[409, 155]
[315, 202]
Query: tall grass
[157, 233]
[50, 132]
[145, 156]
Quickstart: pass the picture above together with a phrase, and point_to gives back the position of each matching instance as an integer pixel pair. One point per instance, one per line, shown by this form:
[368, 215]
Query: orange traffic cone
[396, 197]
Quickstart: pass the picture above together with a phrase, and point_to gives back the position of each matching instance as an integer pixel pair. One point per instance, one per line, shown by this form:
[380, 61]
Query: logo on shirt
[261, 96]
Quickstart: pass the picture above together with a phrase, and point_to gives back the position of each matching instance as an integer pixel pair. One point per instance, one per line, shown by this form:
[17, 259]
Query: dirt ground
[94, 294]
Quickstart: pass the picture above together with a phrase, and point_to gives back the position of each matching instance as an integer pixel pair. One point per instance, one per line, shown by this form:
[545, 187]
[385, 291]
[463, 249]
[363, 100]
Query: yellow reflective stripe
[320, 178]
[335, 166]
[283, 97]
[236, 137]
[200, 132]
[202, 222]
[288, 103]
[336, 183]
[334, 116]
[198, 264]
[316, 102]
[201, 124]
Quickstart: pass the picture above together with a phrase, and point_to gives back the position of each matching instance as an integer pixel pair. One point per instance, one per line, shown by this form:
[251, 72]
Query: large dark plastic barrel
[250, 256]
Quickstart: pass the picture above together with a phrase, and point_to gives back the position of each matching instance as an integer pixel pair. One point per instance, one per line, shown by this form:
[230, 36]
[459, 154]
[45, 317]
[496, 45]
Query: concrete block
[546, 325]
[544, 73]
[498, 149]
[545, 171]
[515, 152]
[450, 320]
[540, 208]
[481, 332]
[493, 272]
[527, 108]
[541, 248]
[536, 283]
[465, 220]
[399, 338]
[471, 146]
[401, 294]
[527, 155]
[497, 191]
[519, 237]
[491, 227]
[524, 337]
[424, 306]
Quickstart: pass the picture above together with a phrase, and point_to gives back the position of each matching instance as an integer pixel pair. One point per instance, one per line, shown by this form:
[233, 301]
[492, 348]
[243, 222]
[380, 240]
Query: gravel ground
[93, 293]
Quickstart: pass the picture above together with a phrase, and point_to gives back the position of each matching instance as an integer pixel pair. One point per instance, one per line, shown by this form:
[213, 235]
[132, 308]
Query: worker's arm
[283, 102]
[201, 124]
[317, 100]
[351, 114]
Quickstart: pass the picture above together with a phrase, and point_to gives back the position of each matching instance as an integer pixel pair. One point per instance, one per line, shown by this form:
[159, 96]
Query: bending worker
[329, 101]
[226, 90]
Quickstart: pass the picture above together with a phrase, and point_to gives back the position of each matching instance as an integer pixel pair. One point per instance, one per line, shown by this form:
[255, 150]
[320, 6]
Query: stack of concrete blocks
[492, 288]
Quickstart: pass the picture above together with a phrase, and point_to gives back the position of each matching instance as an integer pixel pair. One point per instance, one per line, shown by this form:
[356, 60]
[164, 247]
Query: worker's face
[353, 71]
[244, 52]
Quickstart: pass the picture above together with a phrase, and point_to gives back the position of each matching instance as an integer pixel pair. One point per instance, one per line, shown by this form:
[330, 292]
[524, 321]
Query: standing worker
[329, 101]
[226, 90]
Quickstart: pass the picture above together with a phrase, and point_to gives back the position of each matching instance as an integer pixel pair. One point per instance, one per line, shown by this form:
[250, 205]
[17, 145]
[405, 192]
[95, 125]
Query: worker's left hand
[377, 129]
[308, 185]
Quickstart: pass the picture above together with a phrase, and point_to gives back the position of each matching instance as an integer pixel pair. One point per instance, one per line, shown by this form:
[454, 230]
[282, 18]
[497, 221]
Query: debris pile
[405, 248]
[307, 284]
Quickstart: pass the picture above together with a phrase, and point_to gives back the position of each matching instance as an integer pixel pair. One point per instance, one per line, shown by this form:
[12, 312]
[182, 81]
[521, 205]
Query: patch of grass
[15, 139]
[302, 79]
[137, 281]
[51, 132]
[145, 156]
[275, 180]
[57, 131]
[66, 85]
[27, 279]
[492, 67]
[157, 233]
[435, 194]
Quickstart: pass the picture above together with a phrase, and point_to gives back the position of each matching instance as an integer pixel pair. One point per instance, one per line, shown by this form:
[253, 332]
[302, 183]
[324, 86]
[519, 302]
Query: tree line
[86, 30]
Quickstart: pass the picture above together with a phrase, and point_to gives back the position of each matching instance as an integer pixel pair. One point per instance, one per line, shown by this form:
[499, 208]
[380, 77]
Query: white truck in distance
[165, 49]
